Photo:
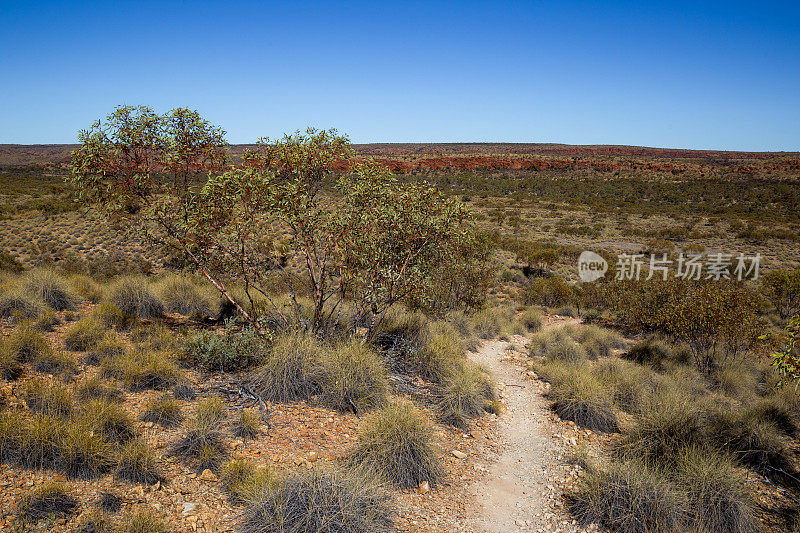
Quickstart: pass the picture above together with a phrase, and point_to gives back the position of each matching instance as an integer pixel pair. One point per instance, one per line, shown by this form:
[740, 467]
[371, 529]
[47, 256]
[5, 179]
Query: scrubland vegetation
[295, 279]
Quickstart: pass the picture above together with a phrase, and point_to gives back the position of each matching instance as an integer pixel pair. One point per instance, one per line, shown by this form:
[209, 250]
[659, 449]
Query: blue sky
[719, 75]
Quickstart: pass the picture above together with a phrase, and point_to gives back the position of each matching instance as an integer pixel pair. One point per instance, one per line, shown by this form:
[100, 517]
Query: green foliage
[782, 287]
[134, 297]
[52, 499]
[232, 350]
[787, 361]
[393, 241]
[47, 286]
[550, 292]
[353, 378]
[396, 442]
[291, 369]
[463, 395]
[84, 335]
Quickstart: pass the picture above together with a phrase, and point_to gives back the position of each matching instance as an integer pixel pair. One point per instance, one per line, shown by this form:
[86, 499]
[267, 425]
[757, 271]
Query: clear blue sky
[721, 75]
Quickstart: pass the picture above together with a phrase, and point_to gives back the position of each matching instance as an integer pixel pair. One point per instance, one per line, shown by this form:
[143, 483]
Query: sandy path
[516, 495]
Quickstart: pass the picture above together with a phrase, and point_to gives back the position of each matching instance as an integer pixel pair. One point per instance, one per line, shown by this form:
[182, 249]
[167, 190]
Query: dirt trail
[517, 494]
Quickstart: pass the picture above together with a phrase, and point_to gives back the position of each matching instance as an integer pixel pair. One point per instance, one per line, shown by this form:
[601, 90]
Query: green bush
[180, 295]
[397, 442]
[652, 350]
[227, 352]
[84, 335]
[550, 292]
[323, 502]
[134, 297]
[50, 500]
[291, 370]
[629, 497]
[582, 398]
[48, 287]
[464, 394]
[353, 378]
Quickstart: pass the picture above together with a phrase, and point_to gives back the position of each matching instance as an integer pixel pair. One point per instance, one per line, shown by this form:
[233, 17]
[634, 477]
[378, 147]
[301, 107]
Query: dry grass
[353, 378]
[465, 394]
[291, 369]
[134, 297]
[397, 443]
[163, 410]
[323, 502]
[52, 499]
[84, 335]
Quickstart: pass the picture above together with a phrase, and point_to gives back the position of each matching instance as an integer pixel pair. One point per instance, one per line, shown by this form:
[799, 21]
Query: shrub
[651, 350]
[18, 306]
[110, 315]
[718, 501]
[109, 347]
[143, 369]
[489, 323]
[54, 362]
[144, 520]
[582, 398]
[163, 410]
[550, 292]
[52, 499]
[629, 497]
[85, 453]
[48, 287]
[137, 464]
[246, 426]
[48, 398]
[94, 387]
[666, 421]
[291, 369]
[183, 297]
[396, 441]
[332, 502]
[628, 381]
[353, 378]
[227, 352]
[86, 288]
[531, 318]
[46, 321]
[26, 344]
[108, 419]
[244, 482]
[83, 335]
[465, 394]
[134, 297]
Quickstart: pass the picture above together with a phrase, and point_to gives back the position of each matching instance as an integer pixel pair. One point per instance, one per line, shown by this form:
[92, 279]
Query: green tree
[369, 239]
[782, 287]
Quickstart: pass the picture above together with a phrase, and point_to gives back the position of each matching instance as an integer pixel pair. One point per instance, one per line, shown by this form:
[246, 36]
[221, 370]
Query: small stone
[208, 475]
[458, 454]
[312, 456]
[424, 487]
